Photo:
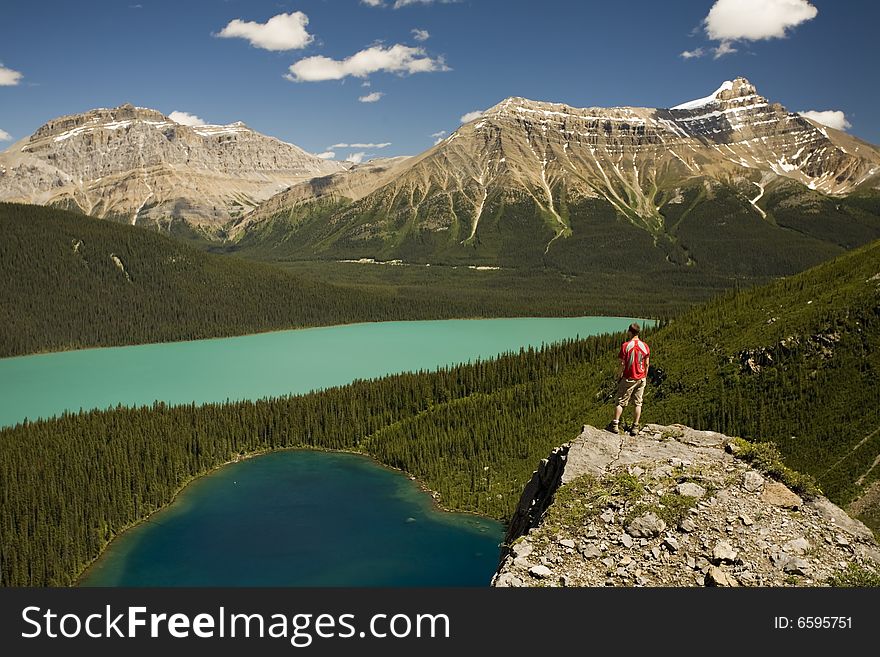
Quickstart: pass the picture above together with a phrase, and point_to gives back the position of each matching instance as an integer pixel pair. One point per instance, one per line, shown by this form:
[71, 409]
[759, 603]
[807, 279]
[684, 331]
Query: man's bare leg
[638, 415]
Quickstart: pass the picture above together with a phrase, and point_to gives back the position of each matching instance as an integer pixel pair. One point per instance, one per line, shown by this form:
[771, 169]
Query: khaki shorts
[627, 388]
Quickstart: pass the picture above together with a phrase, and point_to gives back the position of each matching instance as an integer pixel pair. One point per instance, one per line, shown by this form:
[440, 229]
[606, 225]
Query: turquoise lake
[263, 365]
[300, 518]
[291, 518]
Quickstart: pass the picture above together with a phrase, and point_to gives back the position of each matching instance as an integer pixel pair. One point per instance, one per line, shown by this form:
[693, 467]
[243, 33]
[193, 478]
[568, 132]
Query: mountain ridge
[528, 174]
[137, 165]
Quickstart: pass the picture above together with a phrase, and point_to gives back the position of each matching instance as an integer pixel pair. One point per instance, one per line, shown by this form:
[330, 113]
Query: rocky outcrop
[819, 345]
[136, 164]
[672, 506]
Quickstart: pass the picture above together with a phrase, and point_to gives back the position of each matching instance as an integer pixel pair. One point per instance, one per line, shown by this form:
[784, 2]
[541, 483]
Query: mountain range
[721, 183]
[137, 165]
[729, 186]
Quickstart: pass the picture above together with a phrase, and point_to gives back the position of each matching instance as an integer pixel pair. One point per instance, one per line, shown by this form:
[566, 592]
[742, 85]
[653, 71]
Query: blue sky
[65, 57]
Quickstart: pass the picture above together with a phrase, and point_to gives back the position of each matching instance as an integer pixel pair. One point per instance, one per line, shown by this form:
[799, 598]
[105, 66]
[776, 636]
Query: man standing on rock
[631, 378]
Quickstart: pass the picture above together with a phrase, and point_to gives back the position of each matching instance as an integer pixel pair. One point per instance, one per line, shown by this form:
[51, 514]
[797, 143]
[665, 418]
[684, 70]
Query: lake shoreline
[432, 495]
[474, 318]
[267, 365]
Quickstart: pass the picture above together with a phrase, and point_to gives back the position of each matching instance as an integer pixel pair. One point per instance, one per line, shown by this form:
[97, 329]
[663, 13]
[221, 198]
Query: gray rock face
[522, 549]
[738, 536]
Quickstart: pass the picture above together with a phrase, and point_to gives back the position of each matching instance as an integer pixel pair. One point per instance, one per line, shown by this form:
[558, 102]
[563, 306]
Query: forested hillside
[795, 362]
[71, 282]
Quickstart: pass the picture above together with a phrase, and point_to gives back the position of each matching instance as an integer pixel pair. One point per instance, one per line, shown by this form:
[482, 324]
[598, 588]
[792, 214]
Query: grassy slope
[822, 408]
[711, 240]
[713, 225]
[817, 395]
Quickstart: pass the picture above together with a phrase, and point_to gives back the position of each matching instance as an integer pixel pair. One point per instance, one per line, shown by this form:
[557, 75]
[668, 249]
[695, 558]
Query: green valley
[793, 362]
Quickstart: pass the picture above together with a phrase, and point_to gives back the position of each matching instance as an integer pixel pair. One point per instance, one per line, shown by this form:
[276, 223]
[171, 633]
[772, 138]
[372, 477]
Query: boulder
[753, 482]
[646, 525]
[778, 494]
[723, 552]
[717, 577]
[541, 572]
[690, 489]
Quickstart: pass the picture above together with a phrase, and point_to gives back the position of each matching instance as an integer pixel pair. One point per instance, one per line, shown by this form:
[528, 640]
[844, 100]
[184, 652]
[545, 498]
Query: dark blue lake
[302, 518]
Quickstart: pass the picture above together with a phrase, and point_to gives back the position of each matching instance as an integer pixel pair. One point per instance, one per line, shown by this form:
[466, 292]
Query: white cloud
[696, 52]
[724, 48]
[729, 21]
[384, 145]
[8, 77]
[395, 59]
[5, 136]
[472, 116]
[754, 20]
[281, 32]
[185, 118]
[832, 118]
[421, 35]
[366, 83]
[374, 97]
[356, 158]
[326, 155]
[403, 3]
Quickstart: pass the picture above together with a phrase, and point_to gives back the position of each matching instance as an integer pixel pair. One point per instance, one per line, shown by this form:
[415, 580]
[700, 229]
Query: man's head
[633, 329]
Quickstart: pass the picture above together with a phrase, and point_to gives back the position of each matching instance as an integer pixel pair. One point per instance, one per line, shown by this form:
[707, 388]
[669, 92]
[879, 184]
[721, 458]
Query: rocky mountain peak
[97, 118]
[731, 93]
[136, 163]
[563, 166]
[738, 88]
[673, 507]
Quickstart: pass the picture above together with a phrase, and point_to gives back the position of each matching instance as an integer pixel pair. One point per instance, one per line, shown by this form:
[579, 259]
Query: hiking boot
[613, 427]
[634, 430]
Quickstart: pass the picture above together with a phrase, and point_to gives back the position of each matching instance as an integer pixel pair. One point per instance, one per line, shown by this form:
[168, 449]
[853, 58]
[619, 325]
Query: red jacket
[634, 356]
